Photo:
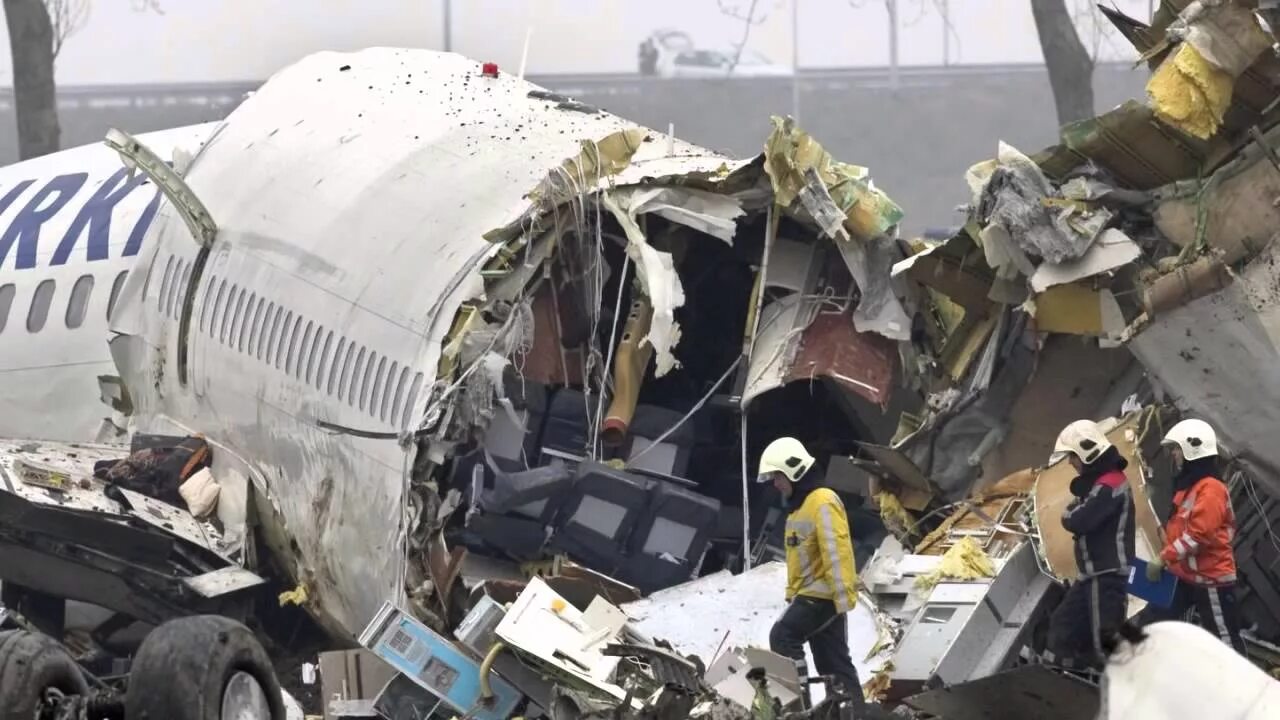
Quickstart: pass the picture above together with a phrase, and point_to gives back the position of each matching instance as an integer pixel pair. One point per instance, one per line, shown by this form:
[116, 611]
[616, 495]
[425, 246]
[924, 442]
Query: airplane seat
[511, 508]
[564, 431]
[516, 428]
[671, 456]
[599, 515]
[671, 538]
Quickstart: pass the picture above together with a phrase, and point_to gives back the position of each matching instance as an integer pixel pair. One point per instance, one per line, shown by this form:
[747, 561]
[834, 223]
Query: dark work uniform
[1101, 519]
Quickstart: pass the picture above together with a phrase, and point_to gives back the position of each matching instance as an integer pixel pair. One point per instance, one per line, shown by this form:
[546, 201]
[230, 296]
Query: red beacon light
[489, 69]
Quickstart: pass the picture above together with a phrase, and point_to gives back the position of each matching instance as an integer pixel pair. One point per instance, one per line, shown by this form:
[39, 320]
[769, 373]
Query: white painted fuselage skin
[71, 226]
[352, 194]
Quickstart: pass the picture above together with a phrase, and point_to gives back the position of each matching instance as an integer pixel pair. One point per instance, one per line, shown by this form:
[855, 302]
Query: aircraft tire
[31, 663]
[188, 669]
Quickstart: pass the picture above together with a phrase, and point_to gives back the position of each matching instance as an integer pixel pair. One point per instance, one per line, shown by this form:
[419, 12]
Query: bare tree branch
[67, 18]
[753, 16]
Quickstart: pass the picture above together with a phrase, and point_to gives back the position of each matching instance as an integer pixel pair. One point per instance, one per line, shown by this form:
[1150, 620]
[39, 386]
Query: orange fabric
[1200, 533]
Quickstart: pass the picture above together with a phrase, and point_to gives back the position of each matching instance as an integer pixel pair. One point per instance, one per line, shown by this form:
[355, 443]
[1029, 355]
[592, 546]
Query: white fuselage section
[71, 226]
[352, 194]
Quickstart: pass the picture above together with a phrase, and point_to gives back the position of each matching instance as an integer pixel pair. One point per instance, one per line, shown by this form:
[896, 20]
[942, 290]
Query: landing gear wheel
[30, 664]
[202, 668]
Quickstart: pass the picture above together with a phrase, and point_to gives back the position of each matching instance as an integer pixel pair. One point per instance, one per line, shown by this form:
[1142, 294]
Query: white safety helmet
[1196, 438]
[1083, 439]
[787, 456]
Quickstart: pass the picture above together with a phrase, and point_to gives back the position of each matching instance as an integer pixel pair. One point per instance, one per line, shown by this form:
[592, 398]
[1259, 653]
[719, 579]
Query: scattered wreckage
[589, 328]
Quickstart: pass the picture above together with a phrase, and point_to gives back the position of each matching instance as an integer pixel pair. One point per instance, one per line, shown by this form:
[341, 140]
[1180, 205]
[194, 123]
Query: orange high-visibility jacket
[1199, 534]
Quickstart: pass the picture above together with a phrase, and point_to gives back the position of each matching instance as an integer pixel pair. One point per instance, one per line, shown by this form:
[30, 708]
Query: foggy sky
[238, 40]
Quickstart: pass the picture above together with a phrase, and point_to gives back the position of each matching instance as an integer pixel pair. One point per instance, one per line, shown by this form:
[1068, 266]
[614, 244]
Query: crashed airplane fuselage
[377, 252]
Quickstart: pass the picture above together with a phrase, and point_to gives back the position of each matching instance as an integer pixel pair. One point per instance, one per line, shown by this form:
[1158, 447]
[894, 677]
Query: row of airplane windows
[251, 324]
[77, 308]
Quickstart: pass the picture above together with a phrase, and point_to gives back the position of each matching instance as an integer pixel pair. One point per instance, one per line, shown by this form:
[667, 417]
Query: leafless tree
[37, 31]
[750, 16]
[1070, 63]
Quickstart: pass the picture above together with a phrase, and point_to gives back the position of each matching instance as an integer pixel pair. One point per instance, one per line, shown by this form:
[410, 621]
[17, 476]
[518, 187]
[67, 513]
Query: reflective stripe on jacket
[820, 551]
[1198, 538]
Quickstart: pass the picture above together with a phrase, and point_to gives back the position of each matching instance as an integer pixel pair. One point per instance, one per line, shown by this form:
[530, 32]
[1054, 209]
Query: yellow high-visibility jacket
[820, 551]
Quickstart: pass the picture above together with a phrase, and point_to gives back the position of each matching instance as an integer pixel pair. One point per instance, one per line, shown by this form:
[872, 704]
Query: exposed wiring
[1252, 492]
[698, 406]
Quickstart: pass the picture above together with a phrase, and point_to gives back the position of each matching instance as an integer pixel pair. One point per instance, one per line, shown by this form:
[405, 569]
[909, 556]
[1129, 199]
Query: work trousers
[816, 622]
[1212, 608]
[1091, 609]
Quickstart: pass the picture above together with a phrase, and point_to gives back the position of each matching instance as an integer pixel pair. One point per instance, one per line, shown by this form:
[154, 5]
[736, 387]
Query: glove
[1154, 568]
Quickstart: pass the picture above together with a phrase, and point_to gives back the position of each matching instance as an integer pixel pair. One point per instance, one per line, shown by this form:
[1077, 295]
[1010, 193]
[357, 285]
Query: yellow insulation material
[1189, 93]
[895, 516]
[296, 596]
[966, 560]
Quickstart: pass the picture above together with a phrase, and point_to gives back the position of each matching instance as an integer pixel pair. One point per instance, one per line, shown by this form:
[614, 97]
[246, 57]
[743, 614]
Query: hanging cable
[698, 406]
[746, 497]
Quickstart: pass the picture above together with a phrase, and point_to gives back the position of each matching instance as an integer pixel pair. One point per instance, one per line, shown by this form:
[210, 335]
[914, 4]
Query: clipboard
[1159, 593]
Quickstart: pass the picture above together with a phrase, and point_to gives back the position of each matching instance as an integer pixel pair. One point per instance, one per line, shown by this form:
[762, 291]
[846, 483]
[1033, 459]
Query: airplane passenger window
[296, 369]
[116, 286]
[217, 309]
[324, 362]
[269, 352]
[375, 397]
[248, 325]
[207, 306]
[172, 293]
[6, 303]
[180, 298]
[78, 303]
[336, 367]
[39, 310]
[285, 331]
[260, 326]
[237, 318]
[356, 376]
[366, 386]
[164, 284]
[228, 312]
[313, 355]
[410, 400]
[399, 396]
[387, 390]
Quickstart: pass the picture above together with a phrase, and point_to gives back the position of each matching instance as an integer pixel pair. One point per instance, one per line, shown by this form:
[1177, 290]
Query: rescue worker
[821, 576]
[1100, 519]
[1198, 538]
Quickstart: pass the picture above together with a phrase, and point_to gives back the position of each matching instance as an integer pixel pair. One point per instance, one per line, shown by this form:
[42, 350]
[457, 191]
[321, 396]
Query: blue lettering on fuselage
[96, 215]
[23, 232]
